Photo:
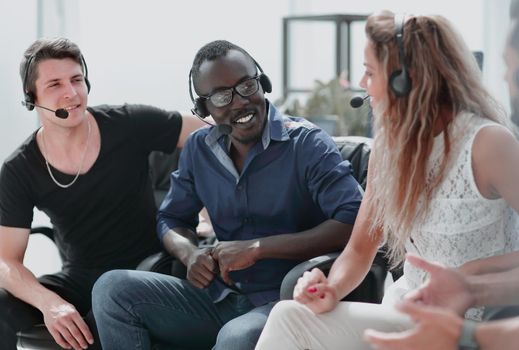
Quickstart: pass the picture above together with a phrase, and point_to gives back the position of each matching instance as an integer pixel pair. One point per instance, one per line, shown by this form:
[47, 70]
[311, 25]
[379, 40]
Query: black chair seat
[38, 337]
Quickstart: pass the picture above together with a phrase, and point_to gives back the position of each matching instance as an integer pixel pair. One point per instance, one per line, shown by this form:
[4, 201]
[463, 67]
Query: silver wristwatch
[467, 339]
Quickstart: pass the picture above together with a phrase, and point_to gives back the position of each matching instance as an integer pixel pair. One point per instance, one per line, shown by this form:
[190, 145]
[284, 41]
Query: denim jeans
[138, 310]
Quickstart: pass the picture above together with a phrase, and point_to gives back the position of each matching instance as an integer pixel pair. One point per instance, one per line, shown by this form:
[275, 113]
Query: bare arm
[452, 289]
[495, 160]
[495, 288]
[181, 243]
[498, 335]
[488, 281]
[355, 261]
[14, 276]
[321, 293]
[438, 328]
[190, 123]
[493, 264]
[495, 163]
[326, 237]
[61, 318]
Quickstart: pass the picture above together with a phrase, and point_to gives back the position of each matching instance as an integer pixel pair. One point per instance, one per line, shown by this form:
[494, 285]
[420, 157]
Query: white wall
[141, 51]
[17, 29]
[482, 23]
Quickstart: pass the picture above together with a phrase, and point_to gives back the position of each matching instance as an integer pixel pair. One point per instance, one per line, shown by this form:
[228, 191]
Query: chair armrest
[37, 337]
[163, 263]
[370, 290]
[155, 262]
[323, 262]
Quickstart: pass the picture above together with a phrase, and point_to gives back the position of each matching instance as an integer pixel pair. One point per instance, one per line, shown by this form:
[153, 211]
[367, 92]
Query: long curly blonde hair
[445, 76]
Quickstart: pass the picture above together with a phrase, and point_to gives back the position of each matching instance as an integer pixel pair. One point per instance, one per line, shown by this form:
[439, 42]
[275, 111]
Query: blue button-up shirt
[292, 180]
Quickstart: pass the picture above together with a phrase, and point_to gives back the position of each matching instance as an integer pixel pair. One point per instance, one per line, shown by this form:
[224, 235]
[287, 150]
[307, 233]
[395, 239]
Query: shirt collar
[275, 130]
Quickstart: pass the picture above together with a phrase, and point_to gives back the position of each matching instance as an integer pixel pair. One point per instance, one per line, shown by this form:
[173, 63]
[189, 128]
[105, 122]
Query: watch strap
[467, 339]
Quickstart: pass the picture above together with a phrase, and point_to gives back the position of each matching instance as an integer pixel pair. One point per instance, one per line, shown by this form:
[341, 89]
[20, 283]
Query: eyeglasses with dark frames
[223, 97]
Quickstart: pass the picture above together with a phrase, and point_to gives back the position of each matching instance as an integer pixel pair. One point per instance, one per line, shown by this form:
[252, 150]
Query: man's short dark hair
[212, 51]
[42, 49]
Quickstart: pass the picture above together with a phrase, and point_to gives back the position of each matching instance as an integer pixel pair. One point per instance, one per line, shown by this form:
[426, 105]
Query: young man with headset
[87, 169]
[277, 192]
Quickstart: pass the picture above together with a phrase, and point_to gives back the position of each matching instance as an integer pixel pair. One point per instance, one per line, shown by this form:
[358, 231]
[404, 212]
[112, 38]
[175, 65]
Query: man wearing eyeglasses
[277, 192]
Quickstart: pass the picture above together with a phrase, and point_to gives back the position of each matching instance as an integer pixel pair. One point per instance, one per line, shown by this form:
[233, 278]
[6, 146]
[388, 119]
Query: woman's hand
[313, 290]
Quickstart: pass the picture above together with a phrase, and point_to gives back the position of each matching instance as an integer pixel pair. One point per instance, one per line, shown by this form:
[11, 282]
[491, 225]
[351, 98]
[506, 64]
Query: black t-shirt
[107, 218]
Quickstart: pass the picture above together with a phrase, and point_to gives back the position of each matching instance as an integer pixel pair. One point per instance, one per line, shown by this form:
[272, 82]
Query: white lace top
[460, 225]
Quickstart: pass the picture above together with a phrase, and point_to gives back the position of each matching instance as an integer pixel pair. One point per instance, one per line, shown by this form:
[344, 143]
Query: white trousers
[292, 326]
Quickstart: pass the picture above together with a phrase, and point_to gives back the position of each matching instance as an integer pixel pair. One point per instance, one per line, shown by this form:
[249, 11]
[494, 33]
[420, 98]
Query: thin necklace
[80, 164]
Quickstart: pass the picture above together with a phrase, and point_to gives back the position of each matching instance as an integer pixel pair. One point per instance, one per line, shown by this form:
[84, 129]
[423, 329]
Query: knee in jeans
[112, 286]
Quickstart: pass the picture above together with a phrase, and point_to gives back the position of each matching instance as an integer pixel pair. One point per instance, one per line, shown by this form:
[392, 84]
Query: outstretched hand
[435, 328]
[445, 287]
[313, 290]
[66, 325]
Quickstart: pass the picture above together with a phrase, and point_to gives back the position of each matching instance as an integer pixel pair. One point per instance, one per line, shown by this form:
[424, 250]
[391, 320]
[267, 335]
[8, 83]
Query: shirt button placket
[241, 195]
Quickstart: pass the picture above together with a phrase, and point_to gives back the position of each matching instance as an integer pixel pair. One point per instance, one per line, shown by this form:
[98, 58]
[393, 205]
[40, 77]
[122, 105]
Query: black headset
[29, 96]
[199, 107]
[399, 81]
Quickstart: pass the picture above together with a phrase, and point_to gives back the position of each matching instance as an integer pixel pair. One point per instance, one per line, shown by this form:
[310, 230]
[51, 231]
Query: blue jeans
[138, 310]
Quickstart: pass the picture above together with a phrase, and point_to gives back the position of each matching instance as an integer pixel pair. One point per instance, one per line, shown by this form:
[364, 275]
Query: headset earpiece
[27, 95]
[264, 80]
[87, 83]
[29, 100]
[200, 108]
[399, 81]
[85, 68]
[265, 83]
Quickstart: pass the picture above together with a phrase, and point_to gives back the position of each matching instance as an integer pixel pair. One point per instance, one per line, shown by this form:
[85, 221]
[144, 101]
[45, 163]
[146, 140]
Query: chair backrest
[161, 166]
[357, 150]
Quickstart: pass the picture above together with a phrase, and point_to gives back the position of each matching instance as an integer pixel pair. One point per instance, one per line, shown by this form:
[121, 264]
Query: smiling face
[373, 80]
[246, 115]
[60, 84]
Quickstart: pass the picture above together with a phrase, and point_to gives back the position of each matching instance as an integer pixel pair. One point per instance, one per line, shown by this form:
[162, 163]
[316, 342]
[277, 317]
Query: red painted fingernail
[312, 290]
